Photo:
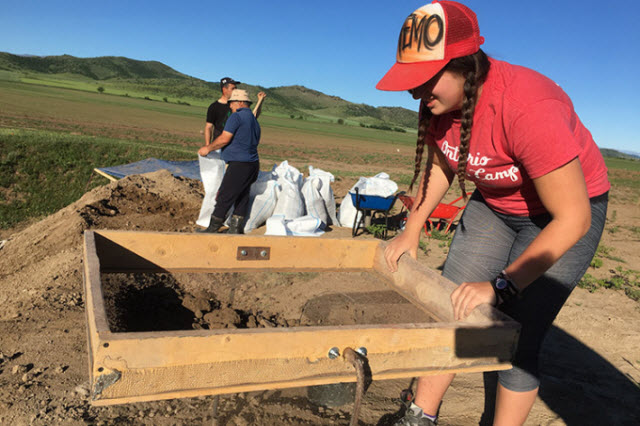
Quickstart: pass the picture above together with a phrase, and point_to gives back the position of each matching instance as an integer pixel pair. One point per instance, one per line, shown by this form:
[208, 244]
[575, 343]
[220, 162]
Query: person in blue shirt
[239, 143]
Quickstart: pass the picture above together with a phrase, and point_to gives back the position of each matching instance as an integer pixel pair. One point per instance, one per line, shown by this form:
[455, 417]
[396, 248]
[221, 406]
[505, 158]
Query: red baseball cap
[429, 38]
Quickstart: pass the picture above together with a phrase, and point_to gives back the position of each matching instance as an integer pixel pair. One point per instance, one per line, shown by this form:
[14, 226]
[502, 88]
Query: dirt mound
[265, 299]
[48, 254]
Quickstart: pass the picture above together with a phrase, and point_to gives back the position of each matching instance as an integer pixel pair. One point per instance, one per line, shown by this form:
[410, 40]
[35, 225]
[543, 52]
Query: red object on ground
[443, 214]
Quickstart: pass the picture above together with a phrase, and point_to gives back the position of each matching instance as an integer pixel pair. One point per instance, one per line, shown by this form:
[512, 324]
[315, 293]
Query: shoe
[236, 225]
[214, 225]
[413, 417]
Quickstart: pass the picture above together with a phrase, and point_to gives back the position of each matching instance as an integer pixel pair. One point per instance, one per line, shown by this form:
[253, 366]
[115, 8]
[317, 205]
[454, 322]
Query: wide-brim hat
[430, 37]
[239, 95]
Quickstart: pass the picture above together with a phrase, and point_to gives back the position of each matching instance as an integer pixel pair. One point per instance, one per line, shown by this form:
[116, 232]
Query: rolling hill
[120, 75]
[104, 68]
[607, 152]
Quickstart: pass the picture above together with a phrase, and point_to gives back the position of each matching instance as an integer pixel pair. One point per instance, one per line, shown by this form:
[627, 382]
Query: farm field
[51, 138]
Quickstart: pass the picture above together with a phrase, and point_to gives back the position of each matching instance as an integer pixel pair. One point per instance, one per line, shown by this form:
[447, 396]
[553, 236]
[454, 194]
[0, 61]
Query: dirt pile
[157, 302]
[47, 255]
[182, 301]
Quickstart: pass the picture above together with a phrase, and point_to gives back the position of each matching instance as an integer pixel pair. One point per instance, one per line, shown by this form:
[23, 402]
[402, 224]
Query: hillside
[129, 77]
[607, 152]
[103, 68]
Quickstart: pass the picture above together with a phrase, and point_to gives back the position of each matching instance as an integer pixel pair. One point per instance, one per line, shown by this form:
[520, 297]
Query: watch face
[501, 284]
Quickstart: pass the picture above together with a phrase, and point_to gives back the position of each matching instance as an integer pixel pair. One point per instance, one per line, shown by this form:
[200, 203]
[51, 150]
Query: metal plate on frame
[253, 253]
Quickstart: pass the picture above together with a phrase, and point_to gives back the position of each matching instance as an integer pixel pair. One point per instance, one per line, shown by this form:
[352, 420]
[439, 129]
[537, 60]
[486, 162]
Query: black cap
[228, 80]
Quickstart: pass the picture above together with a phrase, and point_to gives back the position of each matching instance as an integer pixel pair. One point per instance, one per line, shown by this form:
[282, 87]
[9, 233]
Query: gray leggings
[486, 242]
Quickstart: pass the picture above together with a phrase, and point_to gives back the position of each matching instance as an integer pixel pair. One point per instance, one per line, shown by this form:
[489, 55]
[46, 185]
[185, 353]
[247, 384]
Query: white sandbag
[308, 226]
[211, 173]
[290, 202]
[263, 199]
[284, 170]
[264, 177]
[313, 200]
[276, 225]
[305, 226]
[347, 213]
[326, 192]
[379, 185]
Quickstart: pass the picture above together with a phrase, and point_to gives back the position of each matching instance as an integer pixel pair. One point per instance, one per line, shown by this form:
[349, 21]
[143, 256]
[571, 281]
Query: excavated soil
[160, 302]
[590, 364]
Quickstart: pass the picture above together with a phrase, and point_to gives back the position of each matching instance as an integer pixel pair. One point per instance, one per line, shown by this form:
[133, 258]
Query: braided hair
[423, 128]
[474, 68]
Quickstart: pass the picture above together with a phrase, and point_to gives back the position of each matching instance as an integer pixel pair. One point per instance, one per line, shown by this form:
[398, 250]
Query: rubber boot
[214, 225]
[236, 225]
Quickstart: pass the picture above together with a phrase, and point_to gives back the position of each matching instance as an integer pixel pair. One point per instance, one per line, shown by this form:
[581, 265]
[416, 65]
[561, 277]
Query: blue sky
[342, 48]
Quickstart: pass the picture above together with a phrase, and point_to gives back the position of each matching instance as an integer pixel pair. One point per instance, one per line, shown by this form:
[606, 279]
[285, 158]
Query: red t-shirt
[524, 127]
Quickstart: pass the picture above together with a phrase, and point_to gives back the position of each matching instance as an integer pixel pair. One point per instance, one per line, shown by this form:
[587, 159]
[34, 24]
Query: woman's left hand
[469, 295]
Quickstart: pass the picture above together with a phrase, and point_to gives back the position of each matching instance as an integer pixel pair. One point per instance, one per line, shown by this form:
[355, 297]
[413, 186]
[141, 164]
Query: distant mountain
[156, 78]
[634, 154]
[307, 98]
[607, 152]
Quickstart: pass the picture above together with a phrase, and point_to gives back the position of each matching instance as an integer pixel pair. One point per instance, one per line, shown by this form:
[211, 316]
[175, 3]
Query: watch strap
[504, 288]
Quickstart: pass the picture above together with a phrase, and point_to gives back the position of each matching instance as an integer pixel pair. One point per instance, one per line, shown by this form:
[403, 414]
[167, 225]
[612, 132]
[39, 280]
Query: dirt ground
[590, 364]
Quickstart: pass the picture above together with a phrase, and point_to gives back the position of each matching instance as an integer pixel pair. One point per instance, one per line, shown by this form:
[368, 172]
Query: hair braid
[474, 74]
[423, 127]
[423, 130]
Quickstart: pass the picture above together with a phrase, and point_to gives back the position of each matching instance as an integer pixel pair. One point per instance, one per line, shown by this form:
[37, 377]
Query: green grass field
[157, 82]
[41, 172]
[83, 108]
[622, 164]
[85, 84]
[624, 175]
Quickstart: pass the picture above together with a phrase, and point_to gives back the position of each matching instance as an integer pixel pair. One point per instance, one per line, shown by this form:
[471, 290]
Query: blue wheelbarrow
[368, 206]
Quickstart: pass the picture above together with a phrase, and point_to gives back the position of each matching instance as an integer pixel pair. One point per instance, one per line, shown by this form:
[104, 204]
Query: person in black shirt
[219, 111]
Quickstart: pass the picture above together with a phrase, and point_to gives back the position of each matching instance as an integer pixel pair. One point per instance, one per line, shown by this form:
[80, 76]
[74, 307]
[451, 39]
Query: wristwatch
[504, 288]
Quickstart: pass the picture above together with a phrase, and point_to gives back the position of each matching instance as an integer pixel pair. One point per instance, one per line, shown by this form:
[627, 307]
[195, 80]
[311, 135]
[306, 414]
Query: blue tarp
[188, 169]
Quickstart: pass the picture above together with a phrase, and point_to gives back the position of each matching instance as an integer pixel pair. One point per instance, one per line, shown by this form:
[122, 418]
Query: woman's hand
[403, 243]
[469, 295]
[203, 151]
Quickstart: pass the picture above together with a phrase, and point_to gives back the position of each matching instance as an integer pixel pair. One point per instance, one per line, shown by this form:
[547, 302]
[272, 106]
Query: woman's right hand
[403, 243]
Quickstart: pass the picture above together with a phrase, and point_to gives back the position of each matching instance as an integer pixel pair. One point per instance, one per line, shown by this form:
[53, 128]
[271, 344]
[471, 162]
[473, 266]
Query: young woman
[533, 224]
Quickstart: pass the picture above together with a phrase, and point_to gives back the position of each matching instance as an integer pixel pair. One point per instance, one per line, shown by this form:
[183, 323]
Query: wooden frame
[103, 174]
[145, 366]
